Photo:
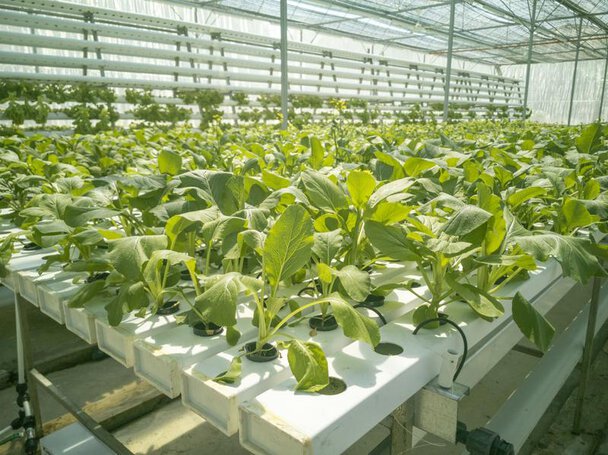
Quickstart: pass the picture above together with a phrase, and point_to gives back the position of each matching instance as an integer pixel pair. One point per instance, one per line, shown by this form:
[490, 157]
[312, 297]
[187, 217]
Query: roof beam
[583, 13]
[526, 22]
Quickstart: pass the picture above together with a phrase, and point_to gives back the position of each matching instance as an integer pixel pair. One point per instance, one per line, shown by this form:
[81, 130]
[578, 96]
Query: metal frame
[578, 51]
[430, 22]
[37, 380]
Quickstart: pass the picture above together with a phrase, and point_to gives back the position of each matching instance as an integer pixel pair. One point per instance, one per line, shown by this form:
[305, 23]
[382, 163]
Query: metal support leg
[402, 427]
[95, 428]
[284, 69]
[529, 59]
[587, 351]
[578, 50]
[28, 396]
[448, 70]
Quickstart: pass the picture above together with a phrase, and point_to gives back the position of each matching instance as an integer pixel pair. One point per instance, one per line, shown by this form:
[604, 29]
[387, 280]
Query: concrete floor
[173, 429]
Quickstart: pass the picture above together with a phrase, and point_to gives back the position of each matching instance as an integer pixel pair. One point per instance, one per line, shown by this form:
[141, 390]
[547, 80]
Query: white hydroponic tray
[273, 418]
[160, 357]
[22, 260]
[283, 421]
[218, 403]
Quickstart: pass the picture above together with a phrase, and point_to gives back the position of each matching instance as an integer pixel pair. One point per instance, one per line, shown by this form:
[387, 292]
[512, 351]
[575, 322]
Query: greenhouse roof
[489, 31]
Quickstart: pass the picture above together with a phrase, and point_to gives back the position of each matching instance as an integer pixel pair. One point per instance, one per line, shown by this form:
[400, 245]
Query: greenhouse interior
[303, 227]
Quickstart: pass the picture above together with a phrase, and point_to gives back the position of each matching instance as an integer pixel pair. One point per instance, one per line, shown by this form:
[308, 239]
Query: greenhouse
[303, 227]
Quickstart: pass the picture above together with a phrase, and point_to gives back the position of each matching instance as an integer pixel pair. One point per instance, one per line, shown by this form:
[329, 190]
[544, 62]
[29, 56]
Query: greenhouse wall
[551, 86]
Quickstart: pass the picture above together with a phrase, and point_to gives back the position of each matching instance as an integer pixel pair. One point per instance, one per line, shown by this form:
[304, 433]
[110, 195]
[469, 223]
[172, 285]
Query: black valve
[482, 441]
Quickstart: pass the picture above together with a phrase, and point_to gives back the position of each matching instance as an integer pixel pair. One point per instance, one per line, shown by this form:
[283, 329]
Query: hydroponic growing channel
[325, 239]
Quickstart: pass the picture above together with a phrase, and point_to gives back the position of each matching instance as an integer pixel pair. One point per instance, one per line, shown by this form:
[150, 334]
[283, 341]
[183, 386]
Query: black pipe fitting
[482, 441]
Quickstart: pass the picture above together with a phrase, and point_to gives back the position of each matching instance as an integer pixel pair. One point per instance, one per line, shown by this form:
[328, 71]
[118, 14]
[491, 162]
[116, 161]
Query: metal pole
[529, 59]
[578, 49]
[588, 349]
[448, 69]
[86, 420]
[284, 74]
[599, 115]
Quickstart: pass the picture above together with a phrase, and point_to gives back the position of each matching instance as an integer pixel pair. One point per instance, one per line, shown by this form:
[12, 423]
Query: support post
[448, 69]
[599, 115]
[31, 405]
[401, 428]
[529, 59]
[578, 50]
[284, 70]
[587, 351]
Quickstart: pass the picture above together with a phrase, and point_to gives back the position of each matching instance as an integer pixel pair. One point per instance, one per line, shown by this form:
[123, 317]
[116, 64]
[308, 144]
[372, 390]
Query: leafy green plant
[286, 249]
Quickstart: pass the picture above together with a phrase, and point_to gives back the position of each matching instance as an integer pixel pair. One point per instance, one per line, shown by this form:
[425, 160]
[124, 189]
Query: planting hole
[208, 329]
[323, 324]
[167, 308]
[335, 387]
[388, 349]
[266, 354]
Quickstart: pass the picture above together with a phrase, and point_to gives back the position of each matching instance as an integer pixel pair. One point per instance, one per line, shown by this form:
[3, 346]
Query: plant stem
[292, 314]
[208, 256]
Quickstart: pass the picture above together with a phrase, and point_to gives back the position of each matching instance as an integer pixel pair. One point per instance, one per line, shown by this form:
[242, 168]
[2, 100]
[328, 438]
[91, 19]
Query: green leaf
[524, 195]
[592, 189]
[393, 163]
[75, 216]
[590, 139]
[253, 239]
[169, 162]
[87, 237]
[223, 189]
[131, 296]
[288, 245]
[356, 283]
[391, 241]
[221, 227]
[423, 313]
[574, 214]
[86, 293]
[326, 245]
[466, 220]
[415, 166]
[232, 374]
[128, 254]
[317, 153]
[274, 181]
[531, 323]
[47, 234]
[308, 364]
[390, 212]
[232, 335]
[324, 272]
[189, 221]
[524, 261]
[353, 324]
[322, 192]
[389, 190]
[481, 302]
[572, 253]
[218, 303]
[361, 185]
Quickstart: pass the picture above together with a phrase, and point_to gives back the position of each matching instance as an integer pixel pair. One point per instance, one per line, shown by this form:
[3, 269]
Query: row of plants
[93, 109]
[223, 216]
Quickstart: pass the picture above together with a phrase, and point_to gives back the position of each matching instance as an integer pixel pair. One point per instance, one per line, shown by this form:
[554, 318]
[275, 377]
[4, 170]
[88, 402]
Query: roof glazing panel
[492, 31]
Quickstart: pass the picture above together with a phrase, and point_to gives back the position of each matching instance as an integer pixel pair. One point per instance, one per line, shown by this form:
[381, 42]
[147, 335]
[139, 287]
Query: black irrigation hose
[375, 310]
[307, 288]
[464, 339]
